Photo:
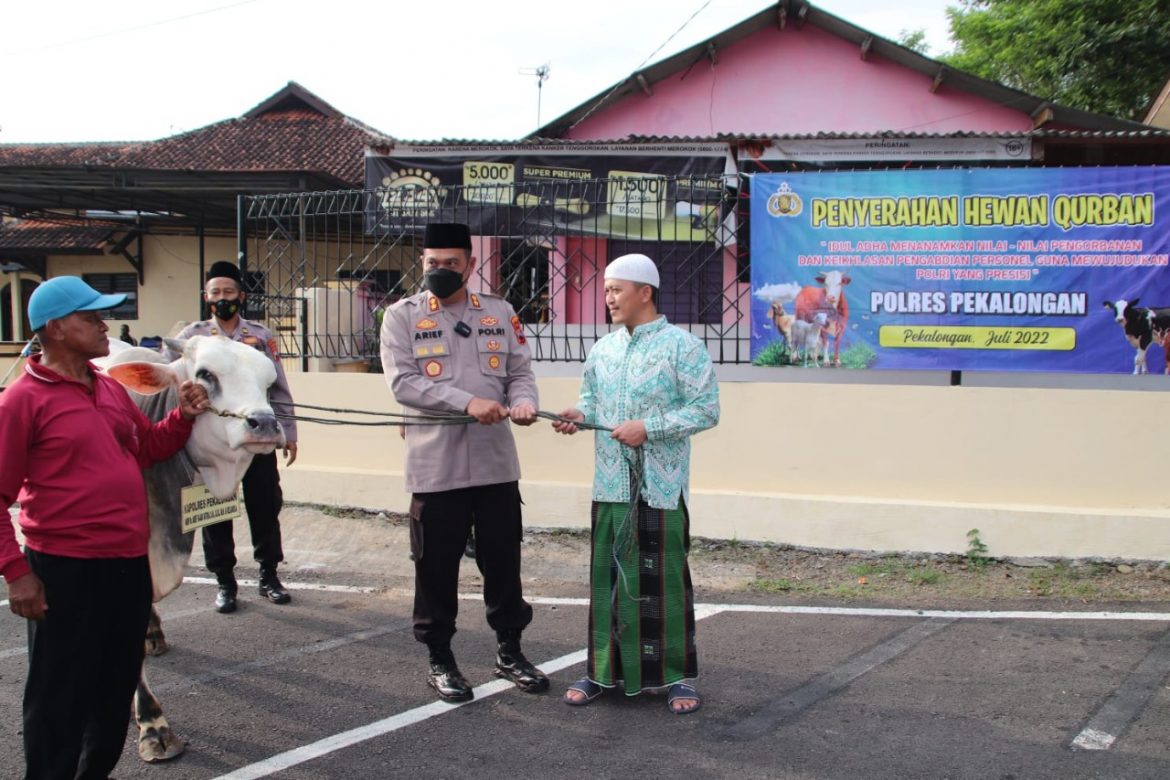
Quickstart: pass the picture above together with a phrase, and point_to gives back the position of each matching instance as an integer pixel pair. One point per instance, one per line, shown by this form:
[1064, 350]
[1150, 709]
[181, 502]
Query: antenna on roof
[541, 74]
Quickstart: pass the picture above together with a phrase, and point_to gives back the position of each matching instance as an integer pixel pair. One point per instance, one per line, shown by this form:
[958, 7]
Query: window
[255, 295]
[691, 279]
[524, 279]
[117, 283]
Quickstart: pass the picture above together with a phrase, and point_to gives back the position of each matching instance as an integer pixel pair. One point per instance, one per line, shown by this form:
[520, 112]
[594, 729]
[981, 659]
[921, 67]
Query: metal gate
[321, 267]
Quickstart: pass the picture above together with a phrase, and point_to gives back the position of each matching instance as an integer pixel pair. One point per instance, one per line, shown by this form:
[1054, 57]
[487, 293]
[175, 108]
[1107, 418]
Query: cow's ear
[143, 378]
[845, 280]
[1134, 302]
[820, 278]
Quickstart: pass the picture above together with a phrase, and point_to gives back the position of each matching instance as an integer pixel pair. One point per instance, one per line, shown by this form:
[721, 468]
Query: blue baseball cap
[63, 295]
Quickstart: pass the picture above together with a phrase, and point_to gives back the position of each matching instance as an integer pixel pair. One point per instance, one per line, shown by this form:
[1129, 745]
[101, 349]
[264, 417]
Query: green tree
[914, 39]
[1107, 56]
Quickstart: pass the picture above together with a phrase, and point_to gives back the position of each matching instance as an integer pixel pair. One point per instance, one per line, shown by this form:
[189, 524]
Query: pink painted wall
[737, 300]
[585, 260]
[776, 82]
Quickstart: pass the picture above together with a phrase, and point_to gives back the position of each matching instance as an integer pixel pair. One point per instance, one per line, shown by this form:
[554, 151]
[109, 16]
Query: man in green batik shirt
[653, 384]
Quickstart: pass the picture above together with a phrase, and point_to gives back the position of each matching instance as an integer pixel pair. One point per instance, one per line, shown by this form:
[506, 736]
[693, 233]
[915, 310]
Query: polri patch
[426, 323]
[433, 304]
[433, 368]
[494, 362]
[474, 301]
[516, 326]
[488, 321]
[493, 345]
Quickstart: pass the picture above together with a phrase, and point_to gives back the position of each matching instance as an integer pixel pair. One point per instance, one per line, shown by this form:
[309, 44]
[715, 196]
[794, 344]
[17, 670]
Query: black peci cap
[447, 235]
[222, 269]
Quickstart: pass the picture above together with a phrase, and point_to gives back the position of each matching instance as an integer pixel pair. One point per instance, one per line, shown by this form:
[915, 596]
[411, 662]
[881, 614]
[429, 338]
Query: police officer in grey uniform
[263, 498]
[451, 351]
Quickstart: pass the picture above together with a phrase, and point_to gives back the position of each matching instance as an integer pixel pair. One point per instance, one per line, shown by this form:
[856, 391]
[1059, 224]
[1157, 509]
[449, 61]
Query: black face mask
[443, 282]
[225, 309]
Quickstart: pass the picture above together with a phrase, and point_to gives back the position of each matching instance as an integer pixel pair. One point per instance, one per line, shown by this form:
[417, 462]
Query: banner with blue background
[990, 269]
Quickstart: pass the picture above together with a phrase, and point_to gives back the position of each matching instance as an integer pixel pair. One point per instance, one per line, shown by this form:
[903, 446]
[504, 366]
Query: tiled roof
[31, 155]
[34, 236]
[295, 140]
[294, 131]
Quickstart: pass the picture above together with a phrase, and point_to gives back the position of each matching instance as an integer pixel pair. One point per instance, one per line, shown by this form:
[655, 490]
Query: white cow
[237, 378]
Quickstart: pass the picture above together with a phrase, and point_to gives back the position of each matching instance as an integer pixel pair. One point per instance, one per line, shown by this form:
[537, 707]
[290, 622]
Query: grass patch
[775, 354]
[773, 585]
[860, 355]
[847, 592]
[925, 577]
[883, 568]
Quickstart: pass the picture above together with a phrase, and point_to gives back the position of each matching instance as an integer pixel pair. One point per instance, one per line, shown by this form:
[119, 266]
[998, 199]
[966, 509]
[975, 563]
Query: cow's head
[833, 281]
[237, 378]
[1123, 310]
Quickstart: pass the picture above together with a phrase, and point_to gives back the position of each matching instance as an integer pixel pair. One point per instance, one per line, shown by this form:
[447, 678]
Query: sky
[130, 70]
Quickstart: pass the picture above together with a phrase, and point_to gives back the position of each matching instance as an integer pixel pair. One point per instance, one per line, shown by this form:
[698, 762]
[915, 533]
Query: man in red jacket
[74, 446]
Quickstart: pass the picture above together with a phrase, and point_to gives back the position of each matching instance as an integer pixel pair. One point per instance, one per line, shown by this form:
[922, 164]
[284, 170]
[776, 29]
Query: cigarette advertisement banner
[654, 192]
[1033, 269]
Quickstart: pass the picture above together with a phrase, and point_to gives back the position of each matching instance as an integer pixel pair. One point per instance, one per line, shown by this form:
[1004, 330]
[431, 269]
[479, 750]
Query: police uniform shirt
[432, 369]
[254, 335]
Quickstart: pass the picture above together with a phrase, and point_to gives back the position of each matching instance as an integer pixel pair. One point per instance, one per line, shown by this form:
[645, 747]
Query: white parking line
[320, 586]
[1007, 614]
[1128, 701]
[345, 739]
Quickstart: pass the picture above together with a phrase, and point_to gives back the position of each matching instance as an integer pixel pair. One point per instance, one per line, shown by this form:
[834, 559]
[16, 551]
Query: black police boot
[270, 587]
[445, 676]
[512, 665]
[225, 599]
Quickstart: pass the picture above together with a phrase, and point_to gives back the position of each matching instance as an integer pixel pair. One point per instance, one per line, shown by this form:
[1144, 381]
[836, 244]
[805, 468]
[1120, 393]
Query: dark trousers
[84, 659]
[439, 524]
[263, 500]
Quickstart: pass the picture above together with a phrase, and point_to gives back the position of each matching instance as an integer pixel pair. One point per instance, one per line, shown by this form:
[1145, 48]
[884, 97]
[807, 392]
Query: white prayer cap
[633, 268]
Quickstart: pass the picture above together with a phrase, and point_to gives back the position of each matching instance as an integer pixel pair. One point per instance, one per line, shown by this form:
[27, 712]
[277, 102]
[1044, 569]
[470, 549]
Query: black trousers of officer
[263, 500]
[439, 524]
[84, 659]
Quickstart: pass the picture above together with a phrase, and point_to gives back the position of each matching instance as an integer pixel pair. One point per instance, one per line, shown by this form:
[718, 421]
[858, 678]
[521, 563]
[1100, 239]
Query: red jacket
[74, 460]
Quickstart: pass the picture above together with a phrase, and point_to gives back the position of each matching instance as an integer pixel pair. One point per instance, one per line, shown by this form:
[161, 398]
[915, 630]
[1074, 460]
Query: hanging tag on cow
[200, 508]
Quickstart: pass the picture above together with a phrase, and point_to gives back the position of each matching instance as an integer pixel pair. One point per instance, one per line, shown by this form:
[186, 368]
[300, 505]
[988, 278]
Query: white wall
[1039, 471]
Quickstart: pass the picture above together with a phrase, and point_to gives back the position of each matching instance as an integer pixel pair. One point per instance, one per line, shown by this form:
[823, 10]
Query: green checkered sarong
[641, 605]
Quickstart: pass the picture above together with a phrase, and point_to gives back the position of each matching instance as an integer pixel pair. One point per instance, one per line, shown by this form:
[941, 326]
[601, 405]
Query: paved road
[331, 686]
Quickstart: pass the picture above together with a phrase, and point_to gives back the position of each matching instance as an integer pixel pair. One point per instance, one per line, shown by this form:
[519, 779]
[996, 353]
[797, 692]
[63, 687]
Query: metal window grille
[325, 265]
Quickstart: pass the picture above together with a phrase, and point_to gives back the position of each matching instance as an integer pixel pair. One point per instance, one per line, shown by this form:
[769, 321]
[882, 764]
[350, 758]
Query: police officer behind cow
[451, 351]
[263, 499]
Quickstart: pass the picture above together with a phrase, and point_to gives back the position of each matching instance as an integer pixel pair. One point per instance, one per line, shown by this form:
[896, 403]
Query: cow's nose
[262, 423]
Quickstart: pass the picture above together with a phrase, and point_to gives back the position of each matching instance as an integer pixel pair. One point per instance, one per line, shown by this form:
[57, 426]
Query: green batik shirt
[662, 375]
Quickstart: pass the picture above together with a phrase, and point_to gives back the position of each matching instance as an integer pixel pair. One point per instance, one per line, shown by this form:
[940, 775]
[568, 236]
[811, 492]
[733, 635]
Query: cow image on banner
[1020, 269]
